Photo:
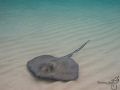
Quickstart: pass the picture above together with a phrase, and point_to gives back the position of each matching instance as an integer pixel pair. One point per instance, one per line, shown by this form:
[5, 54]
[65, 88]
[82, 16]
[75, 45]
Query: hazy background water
[20, 16]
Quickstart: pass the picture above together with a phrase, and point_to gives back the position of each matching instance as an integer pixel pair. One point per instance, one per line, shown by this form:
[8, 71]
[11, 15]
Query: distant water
[22, 16]
[29, 28]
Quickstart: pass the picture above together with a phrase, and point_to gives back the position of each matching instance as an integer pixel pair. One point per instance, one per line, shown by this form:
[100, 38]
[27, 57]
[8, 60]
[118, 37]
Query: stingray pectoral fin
[66, 70]
[36, 63]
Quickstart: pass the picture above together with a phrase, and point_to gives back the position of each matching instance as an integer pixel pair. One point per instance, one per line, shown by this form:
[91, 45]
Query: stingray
[50, 67]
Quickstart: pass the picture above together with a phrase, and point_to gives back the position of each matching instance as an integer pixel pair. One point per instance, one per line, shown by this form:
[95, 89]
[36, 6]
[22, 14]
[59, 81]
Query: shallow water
[31, 28]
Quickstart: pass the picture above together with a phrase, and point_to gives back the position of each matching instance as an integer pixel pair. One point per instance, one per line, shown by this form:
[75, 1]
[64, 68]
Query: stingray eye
[43, 67]
[49, 68]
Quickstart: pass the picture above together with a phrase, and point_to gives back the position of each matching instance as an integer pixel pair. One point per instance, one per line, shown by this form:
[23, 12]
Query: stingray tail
[70, 55]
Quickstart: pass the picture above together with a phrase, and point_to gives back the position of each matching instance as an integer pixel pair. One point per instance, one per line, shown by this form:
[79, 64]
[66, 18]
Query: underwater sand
[30, 29]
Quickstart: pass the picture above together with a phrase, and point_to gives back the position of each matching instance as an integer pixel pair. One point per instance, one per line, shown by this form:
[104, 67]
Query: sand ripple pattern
[59, 33]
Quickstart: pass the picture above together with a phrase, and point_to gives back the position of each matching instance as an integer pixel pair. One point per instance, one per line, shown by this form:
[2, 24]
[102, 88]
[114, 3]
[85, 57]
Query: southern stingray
[47, 66]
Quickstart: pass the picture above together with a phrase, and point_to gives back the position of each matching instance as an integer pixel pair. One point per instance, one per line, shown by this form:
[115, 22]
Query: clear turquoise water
[17, 15]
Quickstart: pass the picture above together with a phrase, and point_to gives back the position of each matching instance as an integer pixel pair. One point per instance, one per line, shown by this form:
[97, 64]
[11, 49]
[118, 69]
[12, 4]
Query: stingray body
[47, 66]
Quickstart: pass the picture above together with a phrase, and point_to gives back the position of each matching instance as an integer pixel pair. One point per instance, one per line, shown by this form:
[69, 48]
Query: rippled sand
[57, 31]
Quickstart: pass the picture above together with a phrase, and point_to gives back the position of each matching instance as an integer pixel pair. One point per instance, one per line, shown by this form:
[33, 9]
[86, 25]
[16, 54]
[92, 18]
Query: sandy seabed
[25, 34]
